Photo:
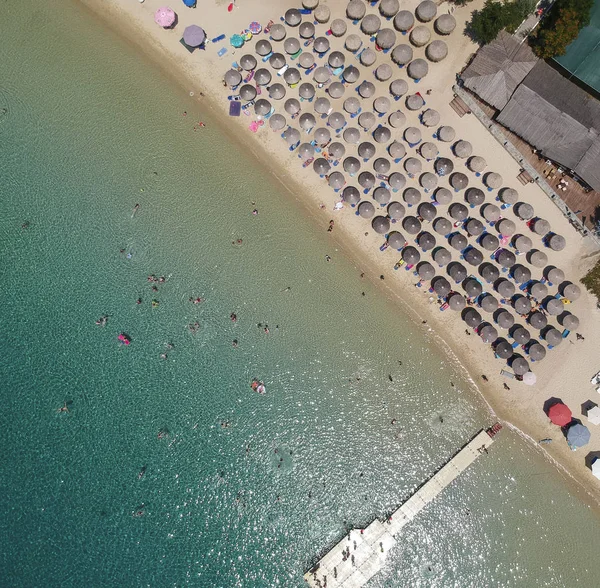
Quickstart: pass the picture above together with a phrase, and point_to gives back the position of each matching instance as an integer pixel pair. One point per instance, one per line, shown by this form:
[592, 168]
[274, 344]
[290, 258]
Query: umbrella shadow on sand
[551, 402]
[591, 457]
[587, 405]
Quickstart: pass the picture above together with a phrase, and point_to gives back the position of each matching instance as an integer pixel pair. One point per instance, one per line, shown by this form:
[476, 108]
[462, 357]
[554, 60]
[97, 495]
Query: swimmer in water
[233, 317]
[63, 408]
[135, 209]
[235, 343]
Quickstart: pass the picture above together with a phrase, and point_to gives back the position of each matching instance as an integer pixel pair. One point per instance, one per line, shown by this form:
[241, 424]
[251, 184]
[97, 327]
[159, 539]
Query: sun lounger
[507, 374]
[217, 39]
[565, 333]
[267, 57]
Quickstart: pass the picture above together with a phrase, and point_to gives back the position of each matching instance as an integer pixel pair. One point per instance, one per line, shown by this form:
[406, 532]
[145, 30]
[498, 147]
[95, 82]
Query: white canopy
[593, 415]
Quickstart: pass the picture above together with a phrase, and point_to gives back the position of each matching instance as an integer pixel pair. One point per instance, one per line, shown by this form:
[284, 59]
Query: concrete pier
[361, 553]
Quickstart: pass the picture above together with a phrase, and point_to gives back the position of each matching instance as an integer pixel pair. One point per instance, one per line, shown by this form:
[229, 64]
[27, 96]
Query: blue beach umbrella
[578, 436]
[190, 3]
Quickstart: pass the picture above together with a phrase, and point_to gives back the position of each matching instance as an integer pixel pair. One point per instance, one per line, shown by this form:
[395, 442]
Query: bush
[592, 280]
[495, 16]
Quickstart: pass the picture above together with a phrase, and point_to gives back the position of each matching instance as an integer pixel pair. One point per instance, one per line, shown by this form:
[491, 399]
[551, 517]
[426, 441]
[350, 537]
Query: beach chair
[283, 69]
[565, 333]
[267, 57]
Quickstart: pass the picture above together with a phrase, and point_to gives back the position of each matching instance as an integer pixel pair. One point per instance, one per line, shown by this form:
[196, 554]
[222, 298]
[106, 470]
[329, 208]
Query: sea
[164, 467]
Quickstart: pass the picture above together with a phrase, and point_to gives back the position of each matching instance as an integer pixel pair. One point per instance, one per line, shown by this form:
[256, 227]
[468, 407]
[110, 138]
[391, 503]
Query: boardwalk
[362, 552]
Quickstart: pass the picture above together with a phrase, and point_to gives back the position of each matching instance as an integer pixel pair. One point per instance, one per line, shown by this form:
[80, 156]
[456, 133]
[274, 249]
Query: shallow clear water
[91, 129]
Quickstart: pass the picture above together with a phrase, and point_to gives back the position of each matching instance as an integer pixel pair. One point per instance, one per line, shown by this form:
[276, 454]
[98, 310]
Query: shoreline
[522, 414]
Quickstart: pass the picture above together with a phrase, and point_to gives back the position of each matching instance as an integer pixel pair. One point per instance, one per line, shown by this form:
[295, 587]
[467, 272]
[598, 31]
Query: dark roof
[559, 119]
[498, 68]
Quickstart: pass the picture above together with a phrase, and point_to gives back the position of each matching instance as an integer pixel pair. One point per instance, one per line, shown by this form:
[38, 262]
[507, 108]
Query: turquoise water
[91, 129]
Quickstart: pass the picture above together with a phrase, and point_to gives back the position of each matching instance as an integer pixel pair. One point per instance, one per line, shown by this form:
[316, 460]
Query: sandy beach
[565, 372]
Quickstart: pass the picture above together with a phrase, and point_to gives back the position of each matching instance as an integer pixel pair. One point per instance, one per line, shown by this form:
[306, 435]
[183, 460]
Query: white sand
[567, 369]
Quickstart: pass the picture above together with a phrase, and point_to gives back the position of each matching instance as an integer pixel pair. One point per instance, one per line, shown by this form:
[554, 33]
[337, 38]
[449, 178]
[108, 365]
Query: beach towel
[235, 108]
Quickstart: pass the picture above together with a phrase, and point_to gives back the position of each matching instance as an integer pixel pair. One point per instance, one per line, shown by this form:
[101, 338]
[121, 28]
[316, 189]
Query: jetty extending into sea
[361, 553]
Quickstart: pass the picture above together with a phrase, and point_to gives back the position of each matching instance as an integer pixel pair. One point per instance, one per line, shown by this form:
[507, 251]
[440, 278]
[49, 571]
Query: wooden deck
[361, 553]
[575, 197]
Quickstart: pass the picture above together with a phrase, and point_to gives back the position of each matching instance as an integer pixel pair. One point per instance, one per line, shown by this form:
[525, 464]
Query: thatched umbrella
[336, 90]
[536, 352]
[506, 258]
[389, 8]
[505, 288]
[429, 182]
[385, 39]
[351, 105]
[410, 255]
[436, 51]
[442, 226]
[336, 59]
[262, 76]
[426, 241]
[425, 270]
[381, 104]
[263, 47]
[506, 227]
[381, 195]
[489, 272]
[321, 75]
[396, 240]
[366, 89]
[370, 24]
[443, 196]
[524, 211]
[471, 317]
[457, 271]
[321, 166]
[441, 256]
[398, 88]
[413, 166]
[310, 4]
[473, 256]
[262, 107]
[351, 195]
[554, 275]
[396, 211]
[491, 212]
[291, 45]
[420, 36]
[541, 226]
[459, 181]
[474, 227]
[504, 319]
[456, 301]
[356, 9]
[414, 102]
[411, 196]
[472, 287]
[397, 181]
[404, 21]
[412, 225]
[366, 209]
[503, 349]
[427, 211]
[322, 136]
[291, 76]
[538, 290]
[488, 303]
[336, 121]
[353, 43]
[382, 134]
[293, 17]
[277, 91]
[402, 54]
[428, 151]
[351, 165]
[307, 30]
[412, 135]
[557, 242]
[321, 45]
[463, 149]
[458, 211]
[553, 337]
[384, 72]
[426, 11]
[397, 119]
[443, 166]
[352, 135]
[248, 92]
[493, 180]
[522, 243]
[444, 24]
[278, 32]
[338, 27]
[521, 274]
[569, 321]
[322, 105]
[446, 134]
[520, 334]
[489, 242]
[307, 121]
[336, 180]
[430, 118]
[306, 91]
[477, 164]
[336, 150]
[351, 74]
[396, 150]
[382, 165]
[277, 60]
[554, 307]
[366, 150]
[291, 135]
[368, 57]
[322, 13]
[537, 258]
[232, 78]
[366, 179]
[441, 286]
[292, 106]
[305, 150]
[277, 122]
[508, 195]
[487, 333]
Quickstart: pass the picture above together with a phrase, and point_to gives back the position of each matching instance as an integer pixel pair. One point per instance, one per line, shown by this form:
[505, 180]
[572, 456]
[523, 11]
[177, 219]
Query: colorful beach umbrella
[236, 41]
[194, 36]
[164, 17]
[560, 414]
[255, 27]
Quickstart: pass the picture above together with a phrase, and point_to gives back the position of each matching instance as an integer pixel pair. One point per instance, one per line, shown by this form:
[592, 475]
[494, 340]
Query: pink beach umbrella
[164, 17]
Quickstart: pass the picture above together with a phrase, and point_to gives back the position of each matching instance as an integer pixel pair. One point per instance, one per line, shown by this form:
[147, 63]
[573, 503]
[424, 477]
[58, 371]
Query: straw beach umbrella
[338, 27]
[385, 39]
[402, 54]
[538, 290]
[456, 301]
[351, 165]
[398, 88]
[291, 135]
[397, 181]
[366, 150]
[554, 275]
[306, 91]
[382, 134]
[307, 121]
[389, 8]
[381, 104]
[353, 43]
[489, 272]
[490, 212]
[278, 32]
[506, 258]
[506, 227]
[232, 78]
[277, 91]
[489, 242]
[428, 181]
[553, 337]
[493, 180]
[351, 74]
[569, 321]
[277, 60]
[336, 150]
[321, 166]
[263, 47]
[322, 14]
[536, 352]
[366, 89]
[404, 21]
[381, 195]
[426, 11]
[410, 255]
[522, 305]
[417, 69]
[473, 256]
[336, 180]
[520, 335]
[292, 106]
[370, 24]
[322, 136]
[322, 105]
[336, 121]
[321, 75]
[396, 240]
[306, 30]
[368, 57]
[457, 271]
[443, 167]
[503, 349]
[463, 149]
[277, 122]
[520, 274]
[356, 9]
[310, 4]
[430, 118]
[519, 366]
[487, 333]
[412, 225]
[557, 242]
[164, 17]
[473, 318]
[441, 256]
[414, 102]
[351, 195]
[366, 179]
[336, 90]
[508, 195]
[336, 59]
[321, 45]
[262, 107]
[396, 210]
[505, 288]
[458, 211]
[522, 243]
[537, 258]
[382, 165]
[571, 291]
[366, 210]
[459, 181]
[291, 45]
[413, 166]
[537, 320]
[381, 224]
[427, 211]
[397, 119]
[554, 307]
[472, 287]
[383, 72]
[477, 164]
[262, 76]
[428, 151]
[293, 17]
[248, 62]
[352, 135]
[444, 24]
[524, 211]
[446, 134]
[305, 150]
[412, 196]
[425, 270]
[247, 92]
[436, 51]
[442, 226]
[420, 36]
[412, 135]
[474, 227]
[441, 286]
